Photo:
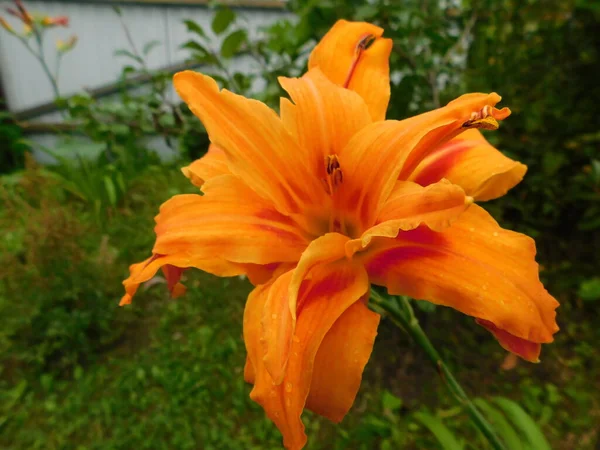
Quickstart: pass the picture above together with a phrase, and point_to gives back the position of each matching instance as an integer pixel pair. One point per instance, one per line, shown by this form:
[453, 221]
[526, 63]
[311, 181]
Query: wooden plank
[102, 91]
[251, 4]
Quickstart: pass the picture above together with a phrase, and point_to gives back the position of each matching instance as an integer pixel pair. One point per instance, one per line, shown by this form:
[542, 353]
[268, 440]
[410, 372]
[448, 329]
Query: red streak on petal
[438, 168]
[380, 266]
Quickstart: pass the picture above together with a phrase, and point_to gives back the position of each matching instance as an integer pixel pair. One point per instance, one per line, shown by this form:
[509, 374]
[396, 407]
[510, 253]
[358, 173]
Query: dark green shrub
[58, 295]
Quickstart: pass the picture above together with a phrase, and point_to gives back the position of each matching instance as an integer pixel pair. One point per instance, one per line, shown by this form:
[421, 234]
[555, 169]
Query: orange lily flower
[319, 202]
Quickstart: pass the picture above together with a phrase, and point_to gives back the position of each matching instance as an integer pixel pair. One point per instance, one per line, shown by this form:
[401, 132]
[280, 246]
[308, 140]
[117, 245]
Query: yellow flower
[65, 46]
[4, 24]
[319, 202]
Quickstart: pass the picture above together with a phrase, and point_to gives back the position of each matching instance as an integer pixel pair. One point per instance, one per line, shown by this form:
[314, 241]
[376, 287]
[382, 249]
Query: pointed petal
[229, 222]
[331, 290]
[227, 231]
[340, 362]
[386, 151]
[323, 117]
[211, 165]
[529, 351]
[259, 149]
[471, 162]
[325, 249]
[173, 264]
[279, 320]
[473, 266]
[409, 205]
[354, 55]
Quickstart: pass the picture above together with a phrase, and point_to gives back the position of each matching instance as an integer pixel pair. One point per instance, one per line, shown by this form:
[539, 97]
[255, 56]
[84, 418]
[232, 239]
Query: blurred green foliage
[78, 372]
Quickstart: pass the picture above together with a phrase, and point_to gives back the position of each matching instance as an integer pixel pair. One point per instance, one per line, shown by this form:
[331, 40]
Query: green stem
[401, 313]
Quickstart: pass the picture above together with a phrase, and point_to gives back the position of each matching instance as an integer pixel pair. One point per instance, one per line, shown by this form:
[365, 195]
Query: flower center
[337, 220]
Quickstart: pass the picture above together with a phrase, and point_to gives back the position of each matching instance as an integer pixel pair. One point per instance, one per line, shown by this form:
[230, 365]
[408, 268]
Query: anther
[335, 176]
[482, 119]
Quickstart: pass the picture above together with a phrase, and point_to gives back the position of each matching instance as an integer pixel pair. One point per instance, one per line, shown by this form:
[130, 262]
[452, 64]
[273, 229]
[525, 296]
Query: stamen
[482, 119]
[335, 176]
[363, 44]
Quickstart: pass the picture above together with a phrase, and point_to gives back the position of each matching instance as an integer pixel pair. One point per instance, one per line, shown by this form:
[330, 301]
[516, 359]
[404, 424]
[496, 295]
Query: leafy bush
[12, 144]
[57, 290]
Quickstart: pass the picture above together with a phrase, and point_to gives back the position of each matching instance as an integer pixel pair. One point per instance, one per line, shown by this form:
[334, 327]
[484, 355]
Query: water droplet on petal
[495, 234]
[288, 387]
[273, 316]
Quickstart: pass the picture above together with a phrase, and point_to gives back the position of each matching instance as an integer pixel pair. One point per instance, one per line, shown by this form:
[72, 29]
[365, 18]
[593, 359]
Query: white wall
[92, 63]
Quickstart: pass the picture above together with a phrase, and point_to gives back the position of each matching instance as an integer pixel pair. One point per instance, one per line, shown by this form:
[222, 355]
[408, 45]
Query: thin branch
[461, 41]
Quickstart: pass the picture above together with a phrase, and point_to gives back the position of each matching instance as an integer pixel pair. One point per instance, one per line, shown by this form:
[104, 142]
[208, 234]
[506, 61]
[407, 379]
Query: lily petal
[340, 362]
[258, 147]
[471, 162]
[228, 231]
[409, 205]
[473, 266]
[529, 351]
[229, 222]
[323, 117]
[277, 328]
[386, 151]
[211, 165]
[332, 290]
[173, 266]
[279, 320]
[355, 56]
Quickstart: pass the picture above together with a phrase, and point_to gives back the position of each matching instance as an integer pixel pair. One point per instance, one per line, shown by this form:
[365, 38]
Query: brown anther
[331, 163]
[334, 174]
[337, 177]
[365, 42]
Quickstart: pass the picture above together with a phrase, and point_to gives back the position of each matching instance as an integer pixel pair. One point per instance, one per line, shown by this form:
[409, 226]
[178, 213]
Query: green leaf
[589, 290]
[223, 18]
[149, 46]
[233, 43]
[444, 436]
[501, 425]
[390, 401]
[128, 54]
[523, 421]
[195, 46]
[110, 190]
[194, 27]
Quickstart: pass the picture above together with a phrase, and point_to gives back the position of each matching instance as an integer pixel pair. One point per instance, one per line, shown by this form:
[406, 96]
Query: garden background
[80, 187]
